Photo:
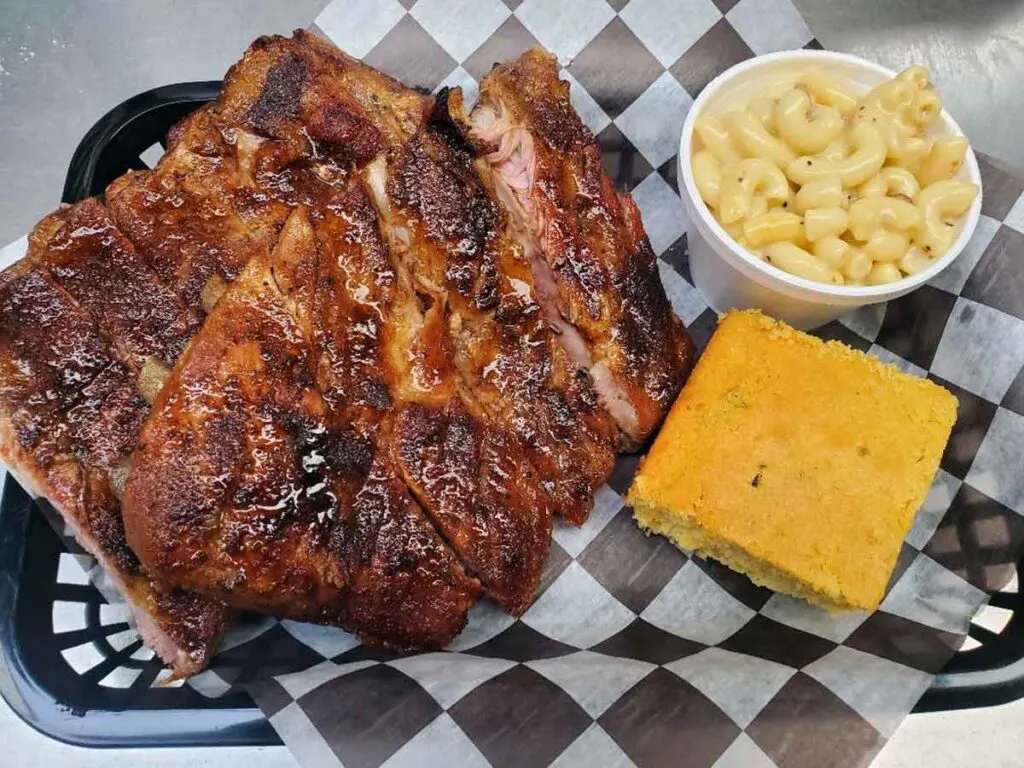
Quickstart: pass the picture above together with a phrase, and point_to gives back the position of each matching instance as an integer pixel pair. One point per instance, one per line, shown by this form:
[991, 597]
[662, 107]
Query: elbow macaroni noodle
[832, 187]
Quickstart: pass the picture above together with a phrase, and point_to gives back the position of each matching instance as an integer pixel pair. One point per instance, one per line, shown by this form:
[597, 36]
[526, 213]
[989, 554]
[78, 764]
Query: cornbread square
[798, 462]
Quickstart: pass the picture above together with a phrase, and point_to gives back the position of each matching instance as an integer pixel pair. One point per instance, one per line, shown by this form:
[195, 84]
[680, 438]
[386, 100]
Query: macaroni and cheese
[834, 187]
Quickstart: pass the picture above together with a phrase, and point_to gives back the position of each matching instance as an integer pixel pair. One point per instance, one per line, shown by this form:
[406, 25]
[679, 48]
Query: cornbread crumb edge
[688, 536]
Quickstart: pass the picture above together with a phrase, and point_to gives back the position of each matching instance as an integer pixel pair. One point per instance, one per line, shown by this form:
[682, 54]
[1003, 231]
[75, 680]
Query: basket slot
[109, 664]
[77, 593]
[149, 673]
[981, 634]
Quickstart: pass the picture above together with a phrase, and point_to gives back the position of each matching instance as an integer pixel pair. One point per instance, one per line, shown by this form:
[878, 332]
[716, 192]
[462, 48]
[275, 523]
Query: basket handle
[117, 139]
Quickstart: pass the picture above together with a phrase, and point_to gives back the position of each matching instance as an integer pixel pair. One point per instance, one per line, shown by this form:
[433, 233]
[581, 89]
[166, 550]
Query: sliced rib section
[594, 249]
[70, 410]
[82, 249]
[454, 241]
[248, 485]
[183, 216]
[469, 472]
[295, 116]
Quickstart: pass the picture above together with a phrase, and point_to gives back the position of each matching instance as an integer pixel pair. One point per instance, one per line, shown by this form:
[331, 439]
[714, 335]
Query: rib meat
[72, 346]
[593, 263]
[314, 98]
[216, 200]
[454, 241]
[93, 261]
[295, 115]
[469, 473]
[250, 486]
[181, 216]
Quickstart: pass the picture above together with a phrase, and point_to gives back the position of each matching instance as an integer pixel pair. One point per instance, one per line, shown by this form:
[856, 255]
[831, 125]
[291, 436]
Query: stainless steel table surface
[974, 50]
[63, 64]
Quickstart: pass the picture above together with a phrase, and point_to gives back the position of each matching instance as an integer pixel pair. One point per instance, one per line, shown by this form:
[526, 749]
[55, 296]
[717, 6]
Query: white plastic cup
[729, 276]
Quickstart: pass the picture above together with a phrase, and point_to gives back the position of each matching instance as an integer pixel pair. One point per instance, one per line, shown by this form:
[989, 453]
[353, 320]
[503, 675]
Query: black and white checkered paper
[635, 654]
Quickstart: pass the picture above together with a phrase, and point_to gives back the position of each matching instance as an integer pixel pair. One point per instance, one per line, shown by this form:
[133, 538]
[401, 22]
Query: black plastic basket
[44, 689]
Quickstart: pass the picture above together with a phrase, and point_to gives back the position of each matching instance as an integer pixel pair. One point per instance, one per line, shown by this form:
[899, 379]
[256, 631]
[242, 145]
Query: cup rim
[821, 290]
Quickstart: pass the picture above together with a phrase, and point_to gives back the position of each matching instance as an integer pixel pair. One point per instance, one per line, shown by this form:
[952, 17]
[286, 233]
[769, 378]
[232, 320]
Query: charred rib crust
[280, 98]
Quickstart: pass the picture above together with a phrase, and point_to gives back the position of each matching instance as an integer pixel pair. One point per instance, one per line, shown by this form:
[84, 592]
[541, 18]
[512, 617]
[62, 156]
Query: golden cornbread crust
[796, 461]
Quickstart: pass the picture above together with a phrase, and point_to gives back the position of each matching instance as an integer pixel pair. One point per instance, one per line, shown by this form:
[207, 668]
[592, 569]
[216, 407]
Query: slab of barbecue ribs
[341, 356]
[248, 485]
